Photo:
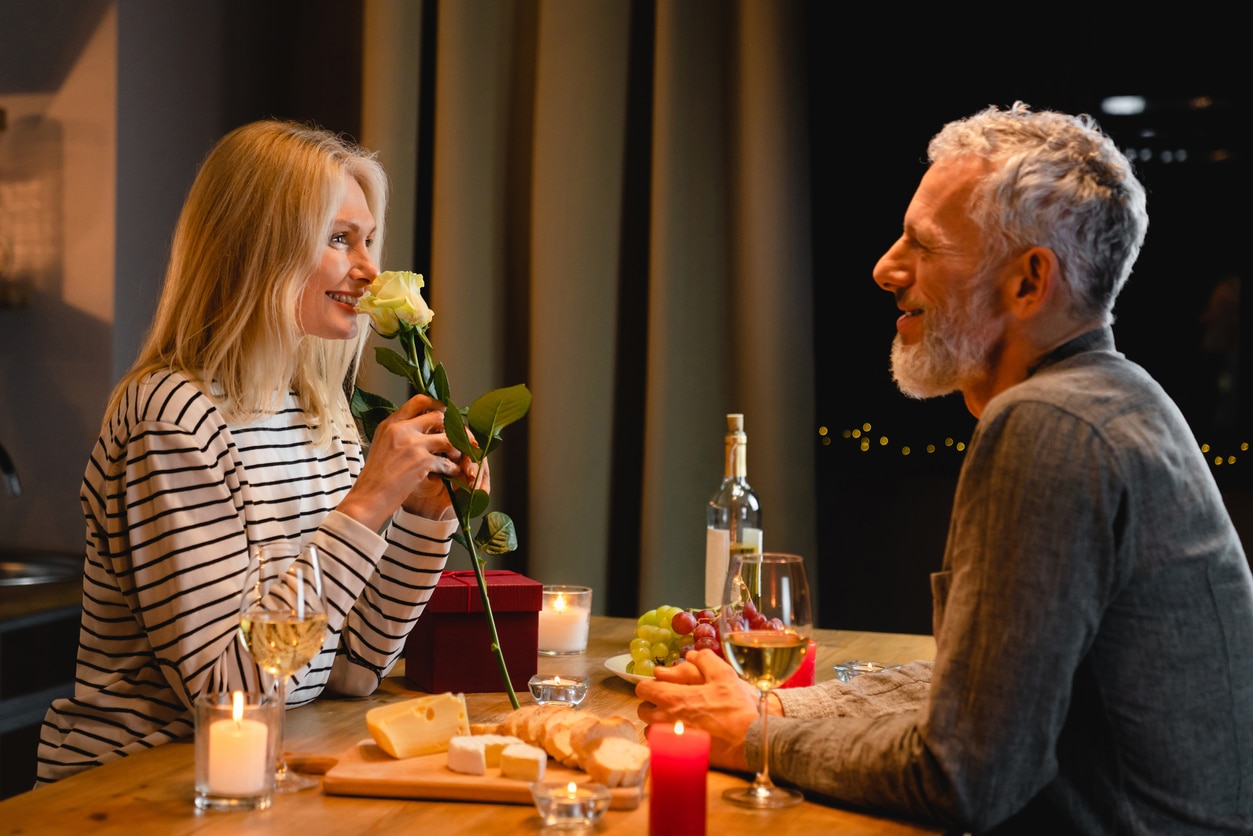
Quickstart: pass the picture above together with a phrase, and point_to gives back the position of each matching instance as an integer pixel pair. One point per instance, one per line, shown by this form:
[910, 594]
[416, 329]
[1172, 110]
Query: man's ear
[1035, 278]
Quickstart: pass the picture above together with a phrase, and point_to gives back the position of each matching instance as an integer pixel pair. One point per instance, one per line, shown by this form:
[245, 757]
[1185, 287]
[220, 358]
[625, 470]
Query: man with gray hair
[1094, 614]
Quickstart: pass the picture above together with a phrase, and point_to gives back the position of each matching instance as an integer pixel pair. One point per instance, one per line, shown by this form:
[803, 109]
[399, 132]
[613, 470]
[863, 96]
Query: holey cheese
[418, 727]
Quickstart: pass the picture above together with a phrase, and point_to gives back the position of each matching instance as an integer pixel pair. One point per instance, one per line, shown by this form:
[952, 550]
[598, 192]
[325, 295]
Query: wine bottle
[733, 516]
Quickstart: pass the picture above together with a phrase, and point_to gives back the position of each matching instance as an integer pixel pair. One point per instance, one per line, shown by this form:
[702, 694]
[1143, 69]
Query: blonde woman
[232, 429]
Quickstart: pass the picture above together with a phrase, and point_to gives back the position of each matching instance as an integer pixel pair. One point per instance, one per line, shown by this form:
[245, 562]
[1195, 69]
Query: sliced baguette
[590, 736]
[617, 762]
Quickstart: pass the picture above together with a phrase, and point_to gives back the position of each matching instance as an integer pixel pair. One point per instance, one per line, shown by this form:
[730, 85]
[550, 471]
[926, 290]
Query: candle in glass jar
[679, 768]
[563, 620]
[238, 765]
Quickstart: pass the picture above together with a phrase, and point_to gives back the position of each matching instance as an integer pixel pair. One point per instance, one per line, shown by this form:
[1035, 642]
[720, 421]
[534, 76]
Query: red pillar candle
[679, 767]
[804, 675]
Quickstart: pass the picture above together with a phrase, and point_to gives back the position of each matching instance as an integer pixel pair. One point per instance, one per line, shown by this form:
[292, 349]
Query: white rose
[394, 299]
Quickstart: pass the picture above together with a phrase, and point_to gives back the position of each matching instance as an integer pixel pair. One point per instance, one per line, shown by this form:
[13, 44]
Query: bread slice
[617, 762]
[590, 736]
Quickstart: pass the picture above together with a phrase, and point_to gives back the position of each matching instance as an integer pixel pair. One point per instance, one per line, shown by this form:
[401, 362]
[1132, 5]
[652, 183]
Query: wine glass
[765, 621]
[282, 619]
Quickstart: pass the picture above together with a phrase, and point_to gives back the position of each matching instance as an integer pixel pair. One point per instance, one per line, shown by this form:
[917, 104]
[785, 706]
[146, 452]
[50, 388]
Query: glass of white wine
[765, 622]
[282, 619]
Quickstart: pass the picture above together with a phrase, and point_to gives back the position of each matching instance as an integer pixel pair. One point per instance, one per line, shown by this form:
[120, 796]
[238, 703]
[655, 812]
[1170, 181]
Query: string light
[860, 435]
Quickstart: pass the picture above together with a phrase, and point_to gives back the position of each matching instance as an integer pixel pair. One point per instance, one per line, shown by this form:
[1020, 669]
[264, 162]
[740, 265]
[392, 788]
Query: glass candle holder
[570, 805]
[563, 690]
[236, 744]
[563, 620]
[845, 671]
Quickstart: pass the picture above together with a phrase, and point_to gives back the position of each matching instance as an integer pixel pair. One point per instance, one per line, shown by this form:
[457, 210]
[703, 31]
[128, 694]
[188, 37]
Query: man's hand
[703, 691]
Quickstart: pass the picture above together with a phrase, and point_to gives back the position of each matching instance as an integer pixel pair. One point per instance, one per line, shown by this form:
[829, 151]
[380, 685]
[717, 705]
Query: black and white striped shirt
[174, 498]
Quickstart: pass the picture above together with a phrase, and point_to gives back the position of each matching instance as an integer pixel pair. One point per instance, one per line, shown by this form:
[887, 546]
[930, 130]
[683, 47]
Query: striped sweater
[174, 497]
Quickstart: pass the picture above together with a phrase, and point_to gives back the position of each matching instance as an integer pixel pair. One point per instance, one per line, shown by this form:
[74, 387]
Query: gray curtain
[621, 221]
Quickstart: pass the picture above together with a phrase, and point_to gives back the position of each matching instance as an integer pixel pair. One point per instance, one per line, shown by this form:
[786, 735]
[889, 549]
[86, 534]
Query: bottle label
[718, 551]
[717, 559]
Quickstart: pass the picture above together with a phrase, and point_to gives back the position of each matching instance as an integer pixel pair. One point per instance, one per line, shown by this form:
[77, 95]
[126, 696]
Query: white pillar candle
[564, 619]
[238, 765]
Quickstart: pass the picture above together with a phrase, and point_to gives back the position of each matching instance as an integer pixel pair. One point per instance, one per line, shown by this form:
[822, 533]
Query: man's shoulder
[1093, 386]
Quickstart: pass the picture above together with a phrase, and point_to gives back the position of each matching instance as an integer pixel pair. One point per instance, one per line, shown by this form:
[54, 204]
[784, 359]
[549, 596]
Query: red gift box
[449, 649]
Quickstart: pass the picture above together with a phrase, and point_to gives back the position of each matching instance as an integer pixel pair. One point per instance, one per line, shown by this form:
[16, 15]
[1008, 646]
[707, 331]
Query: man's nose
[890, 272]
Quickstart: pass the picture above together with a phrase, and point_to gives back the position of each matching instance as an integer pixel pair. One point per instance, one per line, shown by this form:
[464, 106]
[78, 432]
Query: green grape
[649, 618]
[646, 632]
[630, 666]
[660, 651]
[663, 635]
[639, 644]
[644, 668]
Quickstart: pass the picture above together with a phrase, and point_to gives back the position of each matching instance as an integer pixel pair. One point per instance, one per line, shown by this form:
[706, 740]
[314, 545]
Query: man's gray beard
[954, 352]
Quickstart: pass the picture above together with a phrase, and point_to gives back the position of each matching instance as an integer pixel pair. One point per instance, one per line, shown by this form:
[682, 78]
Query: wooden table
[152, 792]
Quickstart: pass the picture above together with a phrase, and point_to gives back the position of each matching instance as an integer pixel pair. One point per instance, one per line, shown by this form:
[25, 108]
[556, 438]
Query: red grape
[707, 644]
[683, 623]
[706, 615]
[705, 630]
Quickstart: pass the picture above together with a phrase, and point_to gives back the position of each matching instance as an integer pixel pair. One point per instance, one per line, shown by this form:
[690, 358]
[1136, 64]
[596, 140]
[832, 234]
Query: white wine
[281, 643]
[733, 515]
[765, 658]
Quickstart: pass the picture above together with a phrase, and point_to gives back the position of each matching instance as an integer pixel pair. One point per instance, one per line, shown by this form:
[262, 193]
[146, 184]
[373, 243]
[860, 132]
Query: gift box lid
[508, 592]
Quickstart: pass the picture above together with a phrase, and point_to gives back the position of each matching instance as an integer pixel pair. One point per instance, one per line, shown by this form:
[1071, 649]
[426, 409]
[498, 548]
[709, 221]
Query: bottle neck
[737, 457]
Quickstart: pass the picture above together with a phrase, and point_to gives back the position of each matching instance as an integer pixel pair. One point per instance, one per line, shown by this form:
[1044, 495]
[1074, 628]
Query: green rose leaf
[496, 534]
[477, 501]
[455, 429]
[370, 409]
[442, 393]
[398, 365]
[494, 411]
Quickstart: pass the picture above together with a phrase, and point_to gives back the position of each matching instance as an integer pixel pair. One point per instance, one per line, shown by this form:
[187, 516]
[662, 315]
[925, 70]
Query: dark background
[883, 516]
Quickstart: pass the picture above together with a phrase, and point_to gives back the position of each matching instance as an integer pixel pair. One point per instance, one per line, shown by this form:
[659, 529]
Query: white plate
[617, 665]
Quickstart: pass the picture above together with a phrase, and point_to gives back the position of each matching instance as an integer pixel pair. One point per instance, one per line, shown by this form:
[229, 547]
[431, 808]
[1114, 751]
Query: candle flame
[572, 788]
[560, 603]
[678, 727]
[237, 706]
[557, 681]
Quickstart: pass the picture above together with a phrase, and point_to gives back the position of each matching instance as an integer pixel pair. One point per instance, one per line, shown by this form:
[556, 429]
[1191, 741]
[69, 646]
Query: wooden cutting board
[367, 770]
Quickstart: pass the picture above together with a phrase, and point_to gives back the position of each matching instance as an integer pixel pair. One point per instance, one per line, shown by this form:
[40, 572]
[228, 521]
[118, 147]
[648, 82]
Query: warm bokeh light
[860, 434]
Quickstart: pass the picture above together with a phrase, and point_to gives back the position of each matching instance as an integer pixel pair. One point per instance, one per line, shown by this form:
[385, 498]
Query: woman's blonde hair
[253, 228]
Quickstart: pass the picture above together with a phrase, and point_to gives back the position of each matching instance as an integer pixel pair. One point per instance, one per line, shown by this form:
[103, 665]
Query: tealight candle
[679, 769]
[570, 805]
[235, 751]
[564, 619]
[567, 690]
[845, 671]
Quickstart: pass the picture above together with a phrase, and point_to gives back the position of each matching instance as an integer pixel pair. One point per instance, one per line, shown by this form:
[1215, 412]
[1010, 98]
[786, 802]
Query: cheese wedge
[475, 755]
[524, 762]
[418, 727]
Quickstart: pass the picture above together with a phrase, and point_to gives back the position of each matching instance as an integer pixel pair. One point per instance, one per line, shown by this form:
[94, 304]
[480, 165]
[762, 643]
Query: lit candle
[572, 805]
[569, 690]
[238, 765]
[679, 767]
[564, 619]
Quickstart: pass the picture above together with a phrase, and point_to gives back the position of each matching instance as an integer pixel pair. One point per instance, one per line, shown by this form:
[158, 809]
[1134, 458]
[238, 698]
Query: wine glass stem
[280, 766]
[762, 784]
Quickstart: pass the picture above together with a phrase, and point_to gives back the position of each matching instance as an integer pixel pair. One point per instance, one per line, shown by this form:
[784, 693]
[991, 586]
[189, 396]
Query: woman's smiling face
[329, 299]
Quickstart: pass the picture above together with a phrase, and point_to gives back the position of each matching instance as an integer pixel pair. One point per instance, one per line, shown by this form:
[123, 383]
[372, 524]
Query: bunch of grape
[664, 636]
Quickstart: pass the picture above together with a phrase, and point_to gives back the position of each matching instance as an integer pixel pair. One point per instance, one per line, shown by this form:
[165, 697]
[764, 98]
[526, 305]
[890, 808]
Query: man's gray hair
[1056, 181]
